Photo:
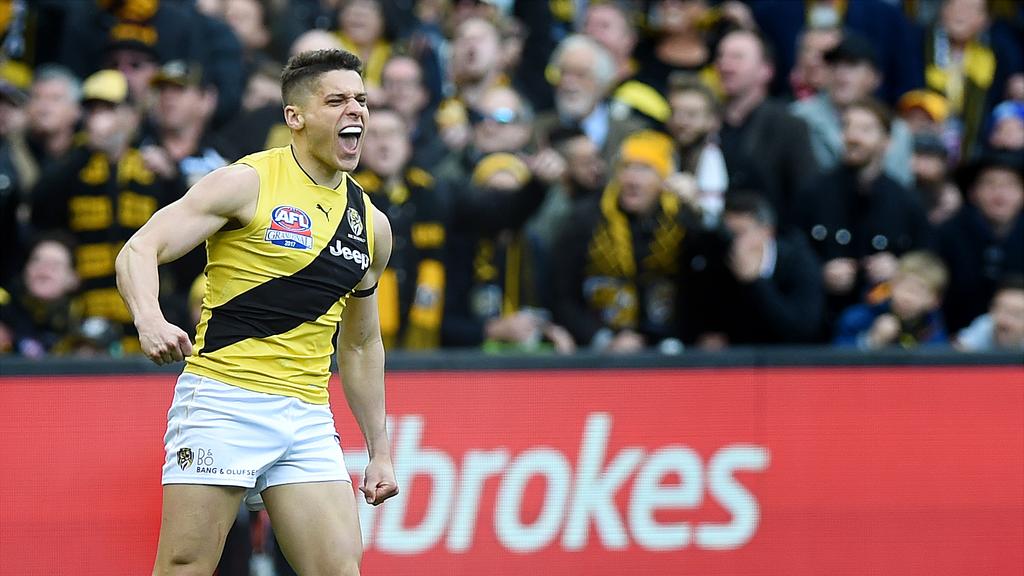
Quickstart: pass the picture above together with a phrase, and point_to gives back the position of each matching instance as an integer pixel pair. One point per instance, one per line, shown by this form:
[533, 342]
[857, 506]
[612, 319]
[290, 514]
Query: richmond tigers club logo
[354, 221]
[184, 457]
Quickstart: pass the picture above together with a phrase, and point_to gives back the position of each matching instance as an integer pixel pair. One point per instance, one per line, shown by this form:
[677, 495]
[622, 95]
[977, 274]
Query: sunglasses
[499, 116]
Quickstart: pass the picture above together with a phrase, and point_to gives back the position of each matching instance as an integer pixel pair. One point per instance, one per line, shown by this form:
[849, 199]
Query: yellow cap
[107, 86]
[651, 148]
[933, 104]
[500, 162]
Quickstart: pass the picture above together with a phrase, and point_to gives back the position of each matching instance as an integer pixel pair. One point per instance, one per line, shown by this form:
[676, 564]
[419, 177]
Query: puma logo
[327, 212]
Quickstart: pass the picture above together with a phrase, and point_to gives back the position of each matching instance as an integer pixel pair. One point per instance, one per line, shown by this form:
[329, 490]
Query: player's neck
[322, 174]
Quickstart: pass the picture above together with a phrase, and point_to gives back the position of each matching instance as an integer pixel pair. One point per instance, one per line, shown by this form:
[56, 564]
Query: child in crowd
[909, 317]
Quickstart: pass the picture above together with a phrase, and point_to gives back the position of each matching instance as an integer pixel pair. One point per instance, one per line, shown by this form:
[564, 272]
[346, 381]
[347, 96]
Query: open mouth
[349, 137]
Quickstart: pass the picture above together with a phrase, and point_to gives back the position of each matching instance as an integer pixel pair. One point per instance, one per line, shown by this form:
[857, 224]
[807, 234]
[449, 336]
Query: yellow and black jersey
[276, 288]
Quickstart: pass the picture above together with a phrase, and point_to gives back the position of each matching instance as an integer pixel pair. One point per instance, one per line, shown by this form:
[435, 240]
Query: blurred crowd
[560, 175]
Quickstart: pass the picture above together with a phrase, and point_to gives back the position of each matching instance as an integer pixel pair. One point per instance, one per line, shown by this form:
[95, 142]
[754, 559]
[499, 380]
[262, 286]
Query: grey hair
[49, 72]
[604, 67]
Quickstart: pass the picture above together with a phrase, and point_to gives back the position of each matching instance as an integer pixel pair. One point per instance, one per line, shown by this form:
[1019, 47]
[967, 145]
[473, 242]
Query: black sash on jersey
[285, 302]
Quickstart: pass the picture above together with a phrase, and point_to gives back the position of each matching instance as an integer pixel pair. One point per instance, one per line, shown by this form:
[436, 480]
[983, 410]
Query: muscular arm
[225, 195]
[361, 362]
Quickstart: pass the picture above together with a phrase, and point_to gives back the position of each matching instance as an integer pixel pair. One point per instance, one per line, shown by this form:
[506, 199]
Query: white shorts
[229, 436]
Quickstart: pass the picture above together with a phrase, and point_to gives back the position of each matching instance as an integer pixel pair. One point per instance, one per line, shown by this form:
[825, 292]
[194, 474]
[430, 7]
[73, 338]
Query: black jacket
[480, 215]
[841, 221]
[977, 262]
[770, 153]
[786, 308]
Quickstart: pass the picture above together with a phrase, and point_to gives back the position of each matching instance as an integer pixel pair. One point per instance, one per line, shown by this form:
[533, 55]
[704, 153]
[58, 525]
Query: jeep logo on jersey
[290, 228]
[349, 254]
[354, 221]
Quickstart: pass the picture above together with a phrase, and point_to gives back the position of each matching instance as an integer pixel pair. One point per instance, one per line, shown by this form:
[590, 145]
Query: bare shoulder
[231, 191]
[381, 240]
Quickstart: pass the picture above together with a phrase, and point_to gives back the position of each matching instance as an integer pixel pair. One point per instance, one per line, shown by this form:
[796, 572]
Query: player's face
[335, 119]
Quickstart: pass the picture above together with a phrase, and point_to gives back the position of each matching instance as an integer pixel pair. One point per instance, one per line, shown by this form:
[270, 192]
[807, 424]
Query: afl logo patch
[354, 221]
[290, 227]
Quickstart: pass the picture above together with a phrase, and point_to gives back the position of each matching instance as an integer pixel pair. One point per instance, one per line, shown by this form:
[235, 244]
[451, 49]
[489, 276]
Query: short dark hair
[305, 68]
[879, 110]
[750, 203]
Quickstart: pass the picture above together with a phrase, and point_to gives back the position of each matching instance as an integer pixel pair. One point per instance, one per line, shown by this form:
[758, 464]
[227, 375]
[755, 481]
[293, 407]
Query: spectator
[926, 112]
[984, 242]
[53, 114]
[910, 317]
[182, 145]
[501, 122]
[615, 272]
[679, 44]
[134, 54]
[491, 294]
[102, 193]
[857, 218]
[411, 291]
[748, 285]
[35, 313]
[496, 185]
[853, 76]
[936, 190]
[881, 21]
[755, 156]
[610, 24]
[183, 150]
[361, 30]
[476, 67]
[961, 65]
[404, 92]
[250, 21]
[1002, 328]
[583, 181]
[1008, 127]
[584, 74]
[694, 124]
[810, 74]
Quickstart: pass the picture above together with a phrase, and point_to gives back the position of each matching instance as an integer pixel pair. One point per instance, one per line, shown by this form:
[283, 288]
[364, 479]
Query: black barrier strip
[471, 360]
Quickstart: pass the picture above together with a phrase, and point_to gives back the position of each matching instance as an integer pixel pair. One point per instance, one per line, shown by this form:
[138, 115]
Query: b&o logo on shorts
[185, 457]
[290, 227]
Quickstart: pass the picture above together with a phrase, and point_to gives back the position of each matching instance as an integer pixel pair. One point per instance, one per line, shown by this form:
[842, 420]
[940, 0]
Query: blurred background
[560, 175]
[667, 189]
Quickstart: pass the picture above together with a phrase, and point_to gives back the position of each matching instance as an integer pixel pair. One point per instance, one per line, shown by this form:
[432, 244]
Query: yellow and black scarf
[612, 270]
[420, 329]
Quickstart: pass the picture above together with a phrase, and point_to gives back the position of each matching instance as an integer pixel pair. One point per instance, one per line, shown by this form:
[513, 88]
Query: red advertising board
[909, 471]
